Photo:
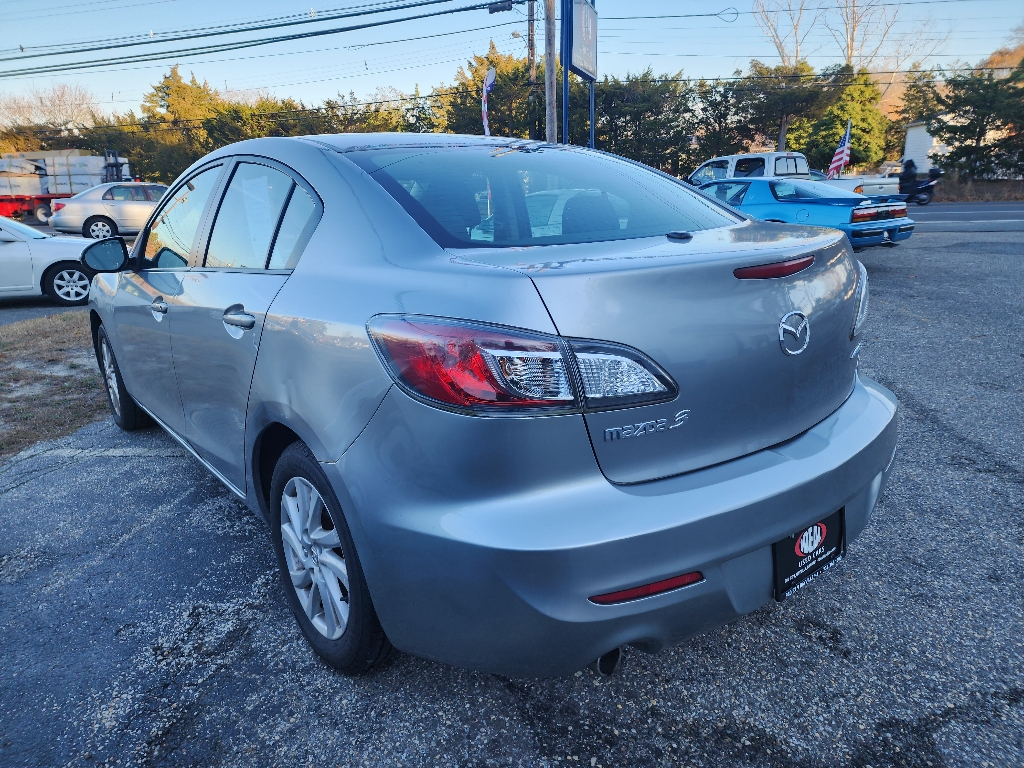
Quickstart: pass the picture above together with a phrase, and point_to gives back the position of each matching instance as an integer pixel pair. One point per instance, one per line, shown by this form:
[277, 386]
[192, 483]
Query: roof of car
[348, 142]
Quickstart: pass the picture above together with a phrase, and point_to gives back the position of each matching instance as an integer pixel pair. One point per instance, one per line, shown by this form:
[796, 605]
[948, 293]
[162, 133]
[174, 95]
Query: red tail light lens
[863, 214]
[648, 589]
[898, 213]
[778, 269]
[474, 367]
[57, 206]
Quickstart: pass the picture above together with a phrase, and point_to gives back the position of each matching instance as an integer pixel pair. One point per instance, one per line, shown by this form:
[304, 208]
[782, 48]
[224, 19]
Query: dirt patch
[949, 191]
[49, 383]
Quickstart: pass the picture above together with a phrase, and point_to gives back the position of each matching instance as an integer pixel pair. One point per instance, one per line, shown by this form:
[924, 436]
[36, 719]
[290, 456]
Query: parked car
[792, 165]
[33, 263]
[866, 221]
[107, 210]
[491, 435]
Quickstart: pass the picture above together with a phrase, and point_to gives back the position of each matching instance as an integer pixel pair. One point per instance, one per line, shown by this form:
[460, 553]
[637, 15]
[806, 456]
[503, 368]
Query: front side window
[791, 166]
[717, 169]
[750, 166]
[248, 217]
[730, 192]
[170, 239]
[507, 196]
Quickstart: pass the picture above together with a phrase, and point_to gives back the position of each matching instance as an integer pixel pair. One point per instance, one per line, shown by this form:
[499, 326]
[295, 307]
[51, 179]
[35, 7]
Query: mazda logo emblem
[794, 333]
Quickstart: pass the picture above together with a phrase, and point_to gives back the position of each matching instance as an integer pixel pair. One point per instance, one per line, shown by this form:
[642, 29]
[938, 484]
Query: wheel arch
[267, 448]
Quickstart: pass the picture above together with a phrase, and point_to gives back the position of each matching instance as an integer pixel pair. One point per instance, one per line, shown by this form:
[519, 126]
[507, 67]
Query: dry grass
[49, 383]
[979, 191]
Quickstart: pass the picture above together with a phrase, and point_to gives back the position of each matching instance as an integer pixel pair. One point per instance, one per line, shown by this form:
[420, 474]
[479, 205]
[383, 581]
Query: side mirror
[109, 255]
[7, 237]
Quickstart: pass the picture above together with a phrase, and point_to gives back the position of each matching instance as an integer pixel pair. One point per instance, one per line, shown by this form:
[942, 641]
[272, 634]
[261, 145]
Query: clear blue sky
[315, 69]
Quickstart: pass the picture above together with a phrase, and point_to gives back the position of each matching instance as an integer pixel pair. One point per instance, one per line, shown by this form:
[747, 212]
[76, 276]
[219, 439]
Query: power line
[232, 46]
[218, 31]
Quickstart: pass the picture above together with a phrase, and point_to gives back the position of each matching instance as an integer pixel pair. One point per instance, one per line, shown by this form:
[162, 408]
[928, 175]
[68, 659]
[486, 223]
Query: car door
[223, 304]
[127, 206]
[15, 262]
[149, 295]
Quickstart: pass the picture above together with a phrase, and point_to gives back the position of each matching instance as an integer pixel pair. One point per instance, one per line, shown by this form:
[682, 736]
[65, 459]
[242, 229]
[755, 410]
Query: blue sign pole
[566, 63]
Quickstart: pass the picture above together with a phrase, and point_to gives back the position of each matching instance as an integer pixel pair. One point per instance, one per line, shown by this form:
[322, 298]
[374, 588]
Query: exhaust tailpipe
[607, 664]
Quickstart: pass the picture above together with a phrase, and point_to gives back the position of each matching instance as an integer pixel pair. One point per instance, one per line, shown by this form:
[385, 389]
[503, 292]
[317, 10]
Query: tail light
[57, 206]
[860, 298]
[493, 370]
[863, 214]
[898, 213]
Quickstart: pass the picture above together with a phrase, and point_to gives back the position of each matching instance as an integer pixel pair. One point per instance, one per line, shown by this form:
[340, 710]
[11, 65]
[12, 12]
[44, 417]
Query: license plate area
[807, 553]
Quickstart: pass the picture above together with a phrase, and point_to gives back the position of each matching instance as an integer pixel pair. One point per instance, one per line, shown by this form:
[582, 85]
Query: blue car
[865, 220]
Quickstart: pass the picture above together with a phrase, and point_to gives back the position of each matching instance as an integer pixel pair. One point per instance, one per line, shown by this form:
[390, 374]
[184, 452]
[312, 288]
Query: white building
[920, 144]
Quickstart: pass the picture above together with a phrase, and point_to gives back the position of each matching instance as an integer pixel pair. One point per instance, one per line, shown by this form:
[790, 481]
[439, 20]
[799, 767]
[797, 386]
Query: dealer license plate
[807, 553]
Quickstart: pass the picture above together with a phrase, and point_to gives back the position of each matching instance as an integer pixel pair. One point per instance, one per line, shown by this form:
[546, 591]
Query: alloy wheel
[316, 563]
[100, 230]
[71, 285]
[110, 375]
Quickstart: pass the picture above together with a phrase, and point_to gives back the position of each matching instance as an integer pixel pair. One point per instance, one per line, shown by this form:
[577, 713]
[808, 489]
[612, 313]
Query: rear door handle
[239, 319]
[159, 305]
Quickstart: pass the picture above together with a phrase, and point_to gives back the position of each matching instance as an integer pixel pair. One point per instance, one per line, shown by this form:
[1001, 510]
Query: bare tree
[861, 28]
[787, 23]
[62, 105]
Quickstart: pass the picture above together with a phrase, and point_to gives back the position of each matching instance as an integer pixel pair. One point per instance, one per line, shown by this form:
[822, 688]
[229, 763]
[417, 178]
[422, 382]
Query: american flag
[842, 156]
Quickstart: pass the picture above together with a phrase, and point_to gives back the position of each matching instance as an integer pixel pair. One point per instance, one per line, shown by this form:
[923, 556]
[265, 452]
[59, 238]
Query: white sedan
[33, 263]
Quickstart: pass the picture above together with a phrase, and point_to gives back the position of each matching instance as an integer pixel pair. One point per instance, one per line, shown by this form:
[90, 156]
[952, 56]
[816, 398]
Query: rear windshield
[501, 197]
[791, 166]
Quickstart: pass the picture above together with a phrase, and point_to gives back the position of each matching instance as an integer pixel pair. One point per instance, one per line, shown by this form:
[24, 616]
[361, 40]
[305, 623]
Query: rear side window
[296, 226]
[248, 217]
[125, 193]
[169, 240]
[154, 193]
[750, 166]
[510, 196]
[785, 190]
[791, 166]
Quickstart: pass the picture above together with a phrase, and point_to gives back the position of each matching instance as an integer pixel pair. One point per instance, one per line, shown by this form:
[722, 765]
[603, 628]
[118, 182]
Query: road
[968, 217]
[143, 621]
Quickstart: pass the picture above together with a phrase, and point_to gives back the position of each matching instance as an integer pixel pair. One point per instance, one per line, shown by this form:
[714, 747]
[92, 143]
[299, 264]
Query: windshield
[22, 230]
[501, 197]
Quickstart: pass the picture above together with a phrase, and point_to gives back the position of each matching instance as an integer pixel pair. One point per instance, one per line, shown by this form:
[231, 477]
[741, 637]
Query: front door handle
[159, 305]
[239, 318]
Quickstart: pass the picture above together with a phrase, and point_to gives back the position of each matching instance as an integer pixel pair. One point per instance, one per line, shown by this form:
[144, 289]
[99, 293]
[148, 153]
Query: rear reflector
[778, 269]
[649, 589]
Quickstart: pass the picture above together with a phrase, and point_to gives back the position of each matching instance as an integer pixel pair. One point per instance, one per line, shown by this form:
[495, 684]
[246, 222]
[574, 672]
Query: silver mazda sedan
[506, 405]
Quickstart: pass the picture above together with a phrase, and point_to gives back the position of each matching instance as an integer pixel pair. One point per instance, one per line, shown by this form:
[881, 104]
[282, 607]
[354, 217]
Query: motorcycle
[922, 194]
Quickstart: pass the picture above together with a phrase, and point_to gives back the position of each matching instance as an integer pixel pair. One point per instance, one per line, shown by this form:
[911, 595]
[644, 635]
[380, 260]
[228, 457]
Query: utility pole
[531, 55]
[550, 73]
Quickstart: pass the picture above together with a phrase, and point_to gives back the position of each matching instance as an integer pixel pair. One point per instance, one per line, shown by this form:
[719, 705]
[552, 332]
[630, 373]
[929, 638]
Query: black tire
[924, 198]
[67, 283]
[362, 644]
[126, 412]
[42, 213]
[99, 228]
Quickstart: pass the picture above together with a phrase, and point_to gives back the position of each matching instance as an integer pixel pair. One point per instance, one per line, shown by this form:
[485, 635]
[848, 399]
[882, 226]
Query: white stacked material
[67, 184]
[29, 185]
[21, 177]
[74, 165]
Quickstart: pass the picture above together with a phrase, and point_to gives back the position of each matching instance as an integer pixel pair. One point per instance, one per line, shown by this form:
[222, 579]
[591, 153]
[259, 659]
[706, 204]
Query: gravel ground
[141, 621]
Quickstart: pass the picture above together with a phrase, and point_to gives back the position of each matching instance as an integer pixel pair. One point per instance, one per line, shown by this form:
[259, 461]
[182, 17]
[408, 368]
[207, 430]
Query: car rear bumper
[484, 554]
[66, 223]
[880, 232]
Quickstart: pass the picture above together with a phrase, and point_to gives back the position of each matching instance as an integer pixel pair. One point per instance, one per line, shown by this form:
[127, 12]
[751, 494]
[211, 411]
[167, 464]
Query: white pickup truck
[789, 165]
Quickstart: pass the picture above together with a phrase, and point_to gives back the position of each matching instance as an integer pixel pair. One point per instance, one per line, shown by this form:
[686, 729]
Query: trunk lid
[718, 336]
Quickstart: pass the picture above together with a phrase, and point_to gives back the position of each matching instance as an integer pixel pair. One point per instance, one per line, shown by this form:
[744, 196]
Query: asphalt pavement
[142, 621]
[968, 217]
